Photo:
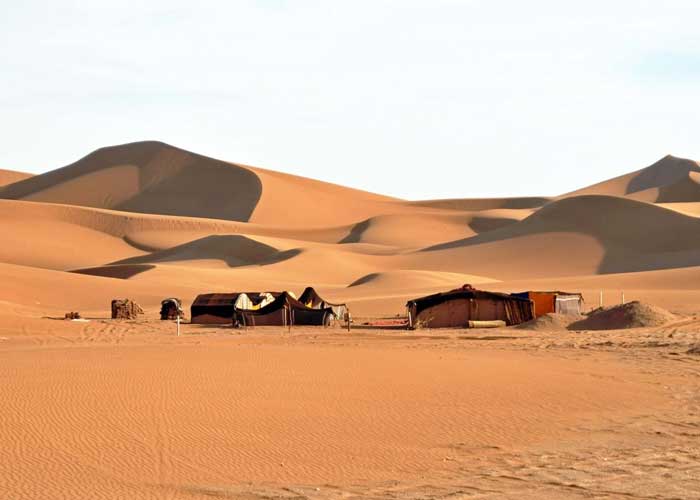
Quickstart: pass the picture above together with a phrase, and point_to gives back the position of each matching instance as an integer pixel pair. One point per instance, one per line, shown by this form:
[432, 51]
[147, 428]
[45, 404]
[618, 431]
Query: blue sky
[431, 99]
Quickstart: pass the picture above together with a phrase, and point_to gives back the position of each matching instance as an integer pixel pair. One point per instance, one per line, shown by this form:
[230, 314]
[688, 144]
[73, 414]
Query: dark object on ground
[125, 309]
[72, 315]
[171, 309]
[694, 350]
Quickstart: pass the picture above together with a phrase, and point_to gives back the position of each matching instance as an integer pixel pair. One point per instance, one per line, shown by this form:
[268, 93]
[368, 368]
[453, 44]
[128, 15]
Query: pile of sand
[550, 322]
[630, 315]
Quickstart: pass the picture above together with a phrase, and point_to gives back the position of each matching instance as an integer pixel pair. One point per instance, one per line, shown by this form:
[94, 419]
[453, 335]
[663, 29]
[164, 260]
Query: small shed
[458, 307]
[554, 302]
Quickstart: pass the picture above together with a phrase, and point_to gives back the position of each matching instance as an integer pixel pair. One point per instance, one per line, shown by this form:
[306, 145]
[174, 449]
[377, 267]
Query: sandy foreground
[122, 409]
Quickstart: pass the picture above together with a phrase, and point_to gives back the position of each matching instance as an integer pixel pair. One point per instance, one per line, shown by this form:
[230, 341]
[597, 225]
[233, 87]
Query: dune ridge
[149, 212]
[8, 177]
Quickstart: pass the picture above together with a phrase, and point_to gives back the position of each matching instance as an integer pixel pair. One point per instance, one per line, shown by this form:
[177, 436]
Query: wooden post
[623, 297]
[601, 299]
[178, 325]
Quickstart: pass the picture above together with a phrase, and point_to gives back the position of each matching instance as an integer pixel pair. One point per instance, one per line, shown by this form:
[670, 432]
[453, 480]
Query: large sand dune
[646, 183]
[158, 214]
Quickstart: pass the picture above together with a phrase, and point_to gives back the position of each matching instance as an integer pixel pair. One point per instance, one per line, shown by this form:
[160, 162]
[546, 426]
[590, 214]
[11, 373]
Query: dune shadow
[367, 278]
[355, 234]
[479, 204]
[634, 236]
[235, 250]
[668, 170]
[122, 272]
[172, 181]
[486, 224]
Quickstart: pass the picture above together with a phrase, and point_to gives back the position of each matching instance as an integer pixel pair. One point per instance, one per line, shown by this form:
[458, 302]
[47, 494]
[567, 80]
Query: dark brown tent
[310, 298]
[214, 308]
[285, 310]
[457, 308]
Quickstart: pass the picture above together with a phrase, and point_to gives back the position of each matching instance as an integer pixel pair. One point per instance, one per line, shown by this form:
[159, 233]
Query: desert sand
[126, 409]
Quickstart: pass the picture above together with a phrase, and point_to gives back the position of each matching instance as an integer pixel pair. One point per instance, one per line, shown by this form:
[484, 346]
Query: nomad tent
[284, 310]
[311, 299]
[554, 302]
[171, 309]
[457, 308]
[215, 308]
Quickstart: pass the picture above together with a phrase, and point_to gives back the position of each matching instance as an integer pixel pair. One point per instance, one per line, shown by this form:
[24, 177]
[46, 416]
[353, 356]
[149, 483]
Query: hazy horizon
[489, 99]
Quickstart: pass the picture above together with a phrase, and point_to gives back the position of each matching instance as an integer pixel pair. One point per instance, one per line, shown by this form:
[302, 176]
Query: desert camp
[266, 308]
[327, 250]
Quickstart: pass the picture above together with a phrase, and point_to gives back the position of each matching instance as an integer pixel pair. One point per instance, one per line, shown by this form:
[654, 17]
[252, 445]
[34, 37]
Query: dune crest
[8, 177]
[668, 171]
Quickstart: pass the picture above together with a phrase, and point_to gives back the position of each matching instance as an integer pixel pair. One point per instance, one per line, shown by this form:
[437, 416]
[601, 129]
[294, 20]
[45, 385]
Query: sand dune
[148, 177]
[632, 235]
[111, 215]
[646, 182]
[153, 177]
[10, 176]
[418, 279]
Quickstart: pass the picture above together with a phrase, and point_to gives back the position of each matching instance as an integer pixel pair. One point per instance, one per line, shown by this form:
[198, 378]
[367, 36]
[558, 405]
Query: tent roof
[218, 299]
[282, 300]
[310, 293]
[465, 292]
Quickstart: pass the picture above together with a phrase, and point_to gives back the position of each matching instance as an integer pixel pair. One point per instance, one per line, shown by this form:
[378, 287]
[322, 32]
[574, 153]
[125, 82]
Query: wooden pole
[178, 325]
[601, 299]
[623, 297]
